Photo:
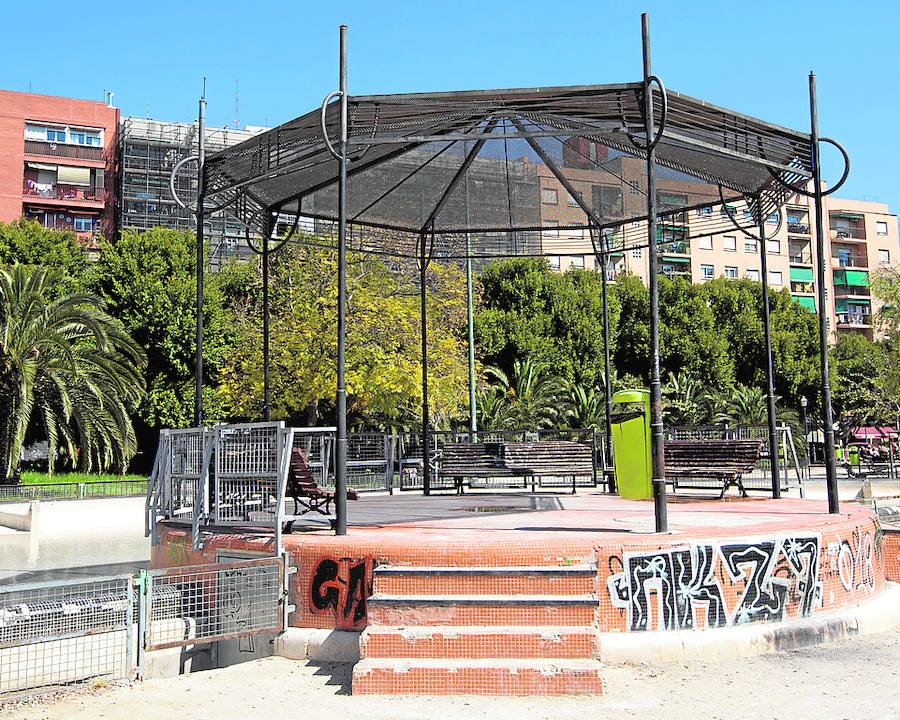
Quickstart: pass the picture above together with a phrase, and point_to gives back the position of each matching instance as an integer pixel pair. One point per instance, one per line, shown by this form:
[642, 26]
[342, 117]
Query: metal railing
[798, 227]
[61, 191]
[857, 290]
[213, 602]
[857, 261]
[848, 233]
[78, 152]
[61, 633]
[74, 490]
[859, 319]
[804, 258]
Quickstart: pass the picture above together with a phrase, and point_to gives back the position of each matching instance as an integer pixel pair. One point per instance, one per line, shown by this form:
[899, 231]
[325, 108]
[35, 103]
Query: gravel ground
[850, 680]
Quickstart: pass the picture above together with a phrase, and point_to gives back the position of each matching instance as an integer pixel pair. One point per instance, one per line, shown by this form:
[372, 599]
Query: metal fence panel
[73, 490]
[66, 632]
[217, 601]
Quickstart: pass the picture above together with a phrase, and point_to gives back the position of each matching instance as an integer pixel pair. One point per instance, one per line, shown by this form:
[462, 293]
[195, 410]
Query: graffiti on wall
[854, 560]
[717, 584]
[341, 586]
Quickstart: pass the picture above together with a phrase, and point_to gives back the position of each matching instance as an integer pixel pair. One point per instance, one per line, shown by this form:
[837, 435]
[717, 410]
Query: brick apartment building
[58, 163]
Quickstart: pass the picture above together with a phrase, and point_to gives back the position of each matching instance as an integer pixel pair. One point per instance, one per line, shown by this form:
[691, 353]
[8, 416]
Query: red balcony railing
[59, 191]
[66, 150]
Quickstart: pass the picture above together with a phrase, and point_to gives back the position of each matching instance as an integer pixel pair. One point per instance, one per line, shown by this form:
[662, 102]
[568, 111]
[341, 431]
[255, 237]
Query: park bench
[529, 461]
[724, 461]
[305, 491]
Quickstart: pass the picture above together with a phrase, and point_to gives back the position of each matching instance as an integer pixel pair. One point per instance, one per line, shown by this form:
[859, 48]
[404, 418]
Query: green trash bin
[630, 424]
[853, 454]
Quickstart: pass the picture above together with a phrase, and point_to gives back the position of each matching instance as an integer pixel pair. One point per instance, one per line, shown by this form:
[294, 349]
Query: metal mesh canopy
[516, 162]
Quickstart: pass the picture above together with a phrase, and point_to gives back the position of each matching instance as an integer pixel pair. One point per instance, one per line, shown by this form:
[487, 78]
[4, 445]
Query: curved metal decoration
[328, 98]
[744, 230]
[663, 116]
[178, 166]
[281, 243]
[829, 191]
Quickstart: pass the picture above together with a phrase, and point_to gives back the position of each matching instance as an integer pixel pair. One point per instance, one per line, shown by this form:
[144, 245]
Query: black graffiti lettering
[325, 589]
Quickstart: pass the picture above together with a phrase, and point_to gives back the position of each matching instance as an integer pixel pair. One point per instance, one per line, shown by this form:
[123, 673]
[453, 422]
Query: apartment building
[861, 236]
[58, 162]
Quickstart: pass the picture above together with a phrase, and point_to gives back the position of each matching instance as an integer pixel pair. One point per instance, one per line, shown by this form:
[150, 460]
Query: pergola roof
[499, 161]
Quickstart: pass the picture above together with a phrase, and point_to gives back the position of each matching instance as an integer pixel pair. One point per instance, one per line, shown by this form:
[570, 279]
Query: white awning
[40, 166]
[68, 175]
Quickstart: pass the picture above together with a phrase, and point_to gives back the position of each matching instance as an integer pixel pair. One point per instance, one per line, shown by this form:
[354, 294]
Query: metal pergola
[458, 176]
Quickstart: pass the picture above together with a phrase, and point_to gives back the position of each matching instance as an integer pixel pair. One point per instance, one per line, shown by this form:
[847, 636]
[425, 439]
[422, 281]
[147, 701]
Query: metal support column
[470, 326]
[201, 258]
[607, 365]
[827, 416]
[426, 423]
[656, 419]
[770, 371]
[340, 457]
[266, 231]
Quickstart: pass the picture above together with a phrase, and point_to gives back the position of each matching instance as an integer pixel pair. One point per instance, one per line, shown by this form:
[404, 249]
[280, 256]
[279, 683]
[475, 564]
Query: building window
[637, 253]
[881, 227]
[83, 137]
[54, 135]
[775, 277]
[578, 262]
[634, 187]
[731, 272]
[750, 246]
[773, 218]
[549, 196]
[552, 228]
[748, 215]
[570, 200]
[753, 274]
[83, 224]
[704, 212]
[884, 257]
[708, 272]
[729, 243]
[773, 247]
[554, 262]
[704, 243]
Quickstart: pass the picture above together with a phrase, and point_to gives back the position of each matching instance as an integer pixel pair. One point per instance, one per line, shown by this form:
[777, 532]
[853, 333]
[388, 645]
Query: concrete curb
[337, 646]
[878, 615]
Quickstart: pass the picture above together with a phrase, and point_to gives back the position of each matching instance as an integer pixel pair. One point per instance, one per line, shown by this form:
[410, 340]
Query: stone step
[479, 642]
[477, 677]
[532, 580]
[481, 610]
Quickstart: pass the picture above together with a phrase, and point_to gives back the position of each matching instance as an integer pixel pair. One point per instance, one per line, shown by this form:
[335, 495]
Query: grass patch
[39, 478]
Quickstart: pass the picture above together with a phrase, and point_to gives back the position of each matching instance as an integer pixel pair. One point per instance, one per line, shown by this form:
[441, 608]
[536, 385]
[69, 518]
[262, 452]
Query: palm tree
[748, 405]
[683, 399]
[586, 407]
[532, 392]
[67, 366]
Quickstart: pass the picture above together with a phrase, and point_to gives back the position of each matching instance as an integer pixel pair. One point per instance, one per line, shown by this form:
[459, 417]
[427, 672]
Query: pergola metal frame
[242, 176]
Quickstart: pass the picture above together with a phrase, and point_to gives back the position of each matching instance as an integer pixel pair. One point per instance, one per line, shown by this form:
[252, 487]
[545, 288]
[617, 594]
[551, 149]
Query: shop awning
[848, 215]
[858, 277]
[40, 166]
[671, 259]
[802, 275]
[872, 433]
[70, 175]
[806, 302]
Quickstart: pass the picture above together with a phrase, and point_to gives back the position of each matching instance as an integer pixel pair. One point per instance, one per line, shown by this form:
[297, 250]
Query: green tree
[30, 243]
[148, 281]
[383, 341]
[70, 367]
[534, 394]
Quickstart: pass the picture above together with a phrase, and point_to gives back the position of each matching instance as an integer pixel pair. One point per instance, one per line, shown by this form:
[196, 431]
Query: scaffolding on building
[148, 150]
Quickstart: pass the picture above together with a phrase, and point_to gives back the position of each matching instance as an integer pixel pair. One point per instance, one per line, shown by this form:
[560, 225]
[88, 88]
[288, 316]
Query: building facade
[59, 163]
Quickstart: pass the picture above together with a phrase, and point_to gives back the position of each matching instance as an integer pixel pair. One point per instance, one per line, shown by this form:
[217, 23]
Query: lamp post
[803, 403]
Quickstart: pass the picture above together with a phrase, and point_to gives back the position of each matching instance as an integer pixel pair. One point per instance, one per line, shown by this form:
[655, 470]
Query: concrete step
[477, 677]
[479, 642]
[508, 610]
[534, 580]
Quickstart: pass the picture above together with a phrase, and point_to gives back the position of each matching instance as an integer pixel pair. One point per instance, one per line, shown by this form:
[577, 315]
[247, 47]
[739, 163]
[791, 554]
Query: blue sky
[752, 57]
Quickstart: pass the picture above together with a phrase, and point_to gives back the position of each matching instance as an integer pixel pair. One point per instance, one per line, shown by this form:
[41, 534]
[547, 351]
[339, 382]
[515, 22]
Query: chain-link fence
[62, 633]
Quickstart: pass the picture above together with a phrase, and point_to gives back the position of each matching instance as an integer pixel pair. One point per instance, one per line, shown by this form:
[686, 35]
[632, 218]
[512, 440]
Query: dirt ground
[850, 680]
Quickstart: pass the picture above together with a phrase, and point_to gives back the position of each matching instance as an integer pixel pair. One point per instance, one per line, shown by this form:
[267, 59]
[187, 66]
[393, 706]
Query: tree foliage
[69, 366]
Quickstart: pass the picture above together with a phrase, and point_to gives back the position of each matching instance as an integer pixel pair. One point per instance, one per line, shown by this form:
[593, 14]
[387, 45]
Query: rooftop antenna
[109, 98]
[236, 104]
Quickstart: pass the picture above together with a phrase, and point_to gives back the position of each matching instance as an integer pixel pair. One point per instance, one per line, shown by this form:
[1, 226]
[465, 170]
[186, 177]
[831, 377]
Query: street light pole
[803, 404]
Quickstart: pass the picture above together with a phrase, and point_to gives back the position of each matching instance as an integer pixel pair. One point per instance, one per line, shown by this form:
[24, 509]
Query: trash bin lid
[631, 396]
[621, 417]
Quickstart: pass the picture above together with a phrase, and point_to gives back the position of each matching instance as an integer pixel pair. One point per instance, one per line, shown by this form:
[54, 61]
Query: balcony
[65, 194]
[848, 233]
[854, 319]
[64, 150]
[674, 247]
[798, 227]
[849, 261]
[800, 258]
